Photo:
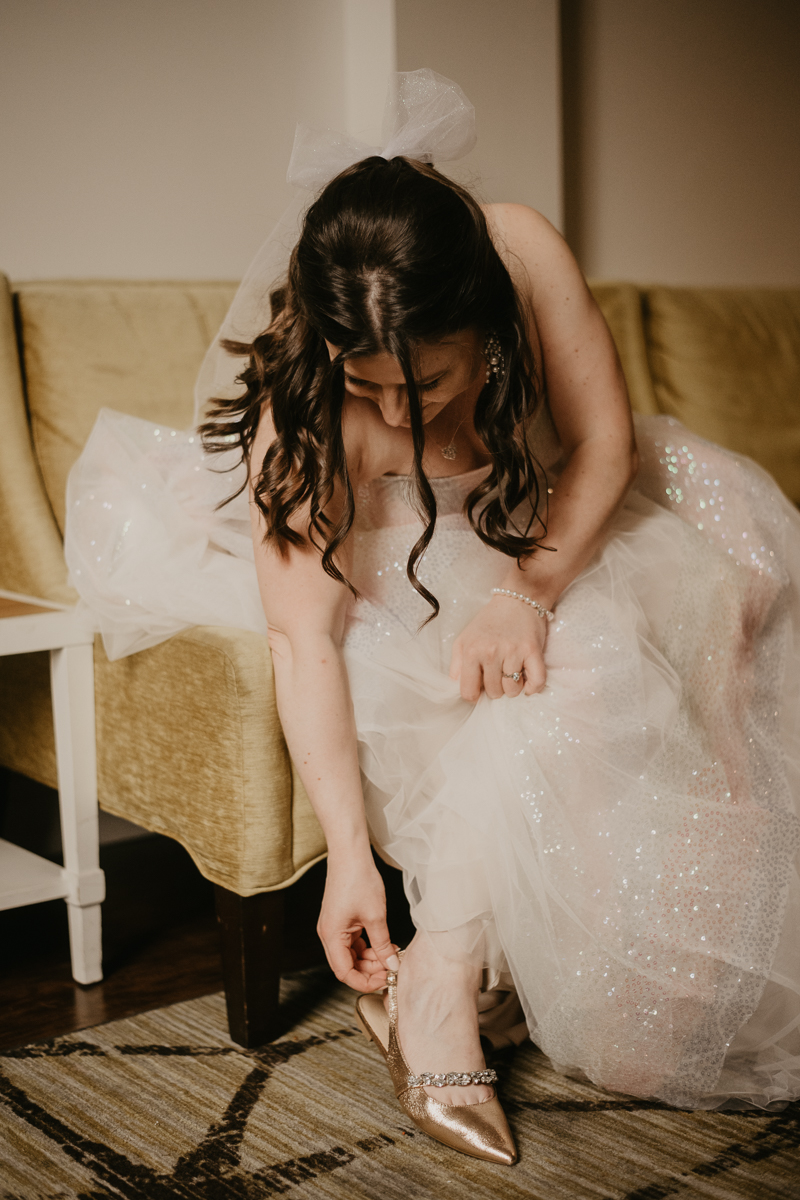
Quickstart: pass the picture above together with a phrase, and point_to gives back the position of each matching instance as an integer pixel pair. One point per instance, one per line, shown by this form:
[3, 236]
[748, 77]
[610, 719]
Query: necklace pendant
[449, 452]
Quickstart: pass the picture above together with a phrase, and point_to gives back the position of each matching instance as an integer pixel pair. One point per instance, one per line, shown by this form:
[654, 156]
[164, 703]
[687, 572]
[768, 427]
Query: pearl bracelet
[540, 608]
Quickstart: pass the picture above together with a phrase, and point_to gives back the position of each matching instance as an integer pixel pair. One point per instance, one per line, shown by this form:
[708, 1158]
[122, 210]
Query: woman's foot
[437, 1005]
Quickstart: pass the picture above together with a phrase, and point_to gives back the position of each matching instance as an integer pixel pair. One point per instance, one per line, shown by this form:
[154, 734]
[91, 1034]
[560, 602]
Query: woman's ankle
[426, 959]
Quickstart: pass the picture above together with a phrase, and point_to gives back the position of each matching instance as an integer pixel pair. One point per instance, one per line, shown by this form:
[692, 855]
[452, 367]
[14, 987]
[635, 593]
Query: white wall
[505, 55]
[150, 138]
[370, 57]
[682, 139]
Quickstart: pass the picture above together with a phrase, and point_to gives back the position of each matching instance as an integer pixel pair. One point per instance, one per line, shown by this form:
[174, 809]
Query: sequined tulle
[625, 843]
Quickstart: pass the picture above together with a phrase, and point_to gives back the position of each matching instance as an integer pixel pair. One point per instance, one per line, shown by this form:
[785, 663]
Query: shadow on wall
[572, 102]
[682, 140]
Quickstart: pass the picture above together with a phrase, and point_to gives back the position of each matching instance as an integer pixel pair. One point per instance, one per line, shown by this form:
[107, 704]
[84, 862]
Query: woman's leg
[437, 1001]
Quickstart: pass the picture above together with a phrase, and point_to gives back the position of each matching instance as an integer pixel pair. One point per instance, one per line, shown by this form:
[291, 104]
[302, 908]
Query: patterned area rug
[165, 1105]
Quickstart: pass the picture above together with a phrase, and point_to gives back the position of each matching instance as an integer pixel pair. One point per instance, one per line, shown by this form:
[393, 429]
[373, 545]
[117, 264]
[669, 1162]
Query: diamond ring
[515, 675]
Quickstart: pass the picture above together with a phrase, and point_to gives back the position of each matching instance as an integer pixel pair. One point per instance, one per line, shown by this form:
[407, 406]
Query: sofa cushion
[620, 304]
[726, 362]
[189, 745]
[135, 347]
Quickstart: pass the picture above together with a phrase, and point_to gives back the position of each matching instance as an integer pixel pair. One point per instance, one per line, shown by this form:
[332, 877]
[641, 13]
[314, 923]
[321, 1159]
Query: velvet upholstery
[726, 362]
[189, 742]
[133, 347]
[620, 304]
[193, 722]
[31, 556]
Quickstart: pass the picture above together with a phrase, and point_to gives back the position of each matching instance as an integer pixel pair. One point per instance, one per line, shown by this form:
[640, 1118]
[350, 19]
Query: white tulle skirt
[624, 844]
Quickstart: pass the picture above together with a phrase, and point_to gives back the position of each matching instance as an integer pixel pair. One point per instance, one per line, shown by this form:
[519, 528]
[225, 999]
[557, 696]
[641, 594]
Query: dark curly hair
[391, 254]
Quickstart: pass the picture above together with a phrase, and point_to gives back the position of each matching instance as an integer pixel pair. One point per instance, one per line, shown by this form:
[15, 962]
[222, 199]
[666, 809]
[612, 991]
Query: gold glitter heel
[477, 1129]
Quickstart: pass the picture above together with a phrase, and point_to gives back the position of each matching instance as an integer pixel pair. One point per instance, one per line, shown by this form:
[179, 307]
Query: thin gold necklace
[449, 451]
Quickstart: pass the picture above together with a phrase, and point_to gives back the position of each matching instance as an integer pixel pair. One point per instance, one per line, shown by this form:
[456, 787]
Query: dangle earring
[495, 362]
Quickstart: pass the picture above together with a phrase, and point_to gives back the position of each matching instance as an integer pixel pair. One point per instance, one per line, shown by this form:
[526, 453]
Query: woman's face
[446, 369]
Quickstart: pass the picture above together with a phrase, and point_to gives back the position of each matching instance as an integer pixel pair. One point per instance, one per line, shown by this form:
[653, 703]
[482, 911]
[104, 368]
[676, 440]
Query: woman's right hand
[355, 903]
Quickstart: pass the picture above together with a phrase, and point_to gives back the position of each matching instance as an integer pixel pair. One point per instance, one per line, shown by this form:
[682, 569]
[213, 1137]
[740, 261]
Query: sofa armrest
[190, 745]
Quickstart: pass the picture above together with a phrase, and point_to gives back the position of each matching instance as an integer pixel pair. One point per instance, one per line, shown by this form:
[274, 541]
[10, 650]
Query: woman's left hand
[506, 637]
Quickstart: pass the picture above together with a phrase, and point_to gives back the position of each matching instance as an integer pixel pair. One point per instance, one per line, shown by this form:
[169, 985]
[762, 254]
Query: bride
[510, 652]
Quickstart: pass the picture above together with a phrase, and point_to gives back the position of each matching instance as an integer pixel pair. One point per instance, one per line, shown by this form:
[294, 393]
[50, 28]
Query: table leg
[72, 684]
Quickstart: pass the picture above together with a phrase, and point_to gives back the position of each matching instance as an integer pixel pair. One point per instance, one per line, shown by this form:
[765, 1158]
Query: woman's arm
[589, 403]
[305, 612]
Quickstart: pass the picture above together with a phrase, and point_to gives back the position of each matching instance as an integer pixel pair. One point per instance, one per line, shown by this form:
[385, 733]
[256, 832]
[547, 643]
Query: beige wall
[505, 55]
[370, 57]
[682, 139]
[149, 138]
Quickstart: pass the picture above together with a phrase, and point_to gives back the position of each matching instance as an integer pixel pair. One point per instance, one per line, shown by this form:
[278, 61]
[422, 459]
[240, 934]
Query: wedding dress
[625, 843]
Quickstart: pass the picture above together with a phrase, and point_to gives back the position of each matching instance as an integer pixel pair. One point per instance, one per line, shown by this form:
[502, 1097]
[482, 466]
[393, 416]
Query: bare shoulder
[361, 434]
[519, 226]
[584, 380]
[371, 447]
[539, 260]
[368, 446]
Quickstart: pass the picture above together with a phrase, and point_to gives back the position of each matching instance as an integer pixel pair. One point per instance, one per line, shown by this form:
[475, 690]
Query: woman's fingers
[369, 955]
[498, 680]
[535, 673]
[360, 982]
[350, 967]
[339, 954]
[472, 680]
[493, 677]
[369, 964]
[488, 656]
[513, 678]
[382, 944]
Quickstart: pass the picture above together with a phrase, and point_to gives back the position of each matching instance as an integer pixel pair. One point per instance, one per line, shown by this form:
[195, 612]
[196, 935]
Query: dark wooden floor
[159, 946]
[160, 941]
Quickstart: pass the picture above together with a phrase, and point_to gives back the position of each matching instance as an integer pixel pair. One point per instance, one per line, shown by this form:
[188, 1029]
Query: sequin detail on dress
[625, 843]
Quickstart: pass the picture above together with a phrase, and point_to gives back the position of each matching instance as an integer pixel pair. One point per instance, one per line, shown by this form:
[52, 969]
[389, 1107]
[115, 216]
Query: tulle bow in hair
[427, 117]
[430, 118]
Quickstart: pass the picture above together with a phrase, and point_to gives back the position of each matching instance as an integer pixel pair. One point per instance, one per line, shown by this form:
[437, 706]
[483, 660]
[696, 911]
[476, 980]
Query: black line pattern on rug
[574, 1105]
[781, 1133]
[275, 1053]
[224, 1138]
[56, 1049]
[212, 1171]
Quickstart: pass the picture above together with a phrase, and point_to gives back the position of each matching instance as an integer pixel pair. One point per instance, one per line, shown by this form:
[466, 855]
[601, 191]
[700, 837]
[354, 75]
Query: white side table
[26, 625]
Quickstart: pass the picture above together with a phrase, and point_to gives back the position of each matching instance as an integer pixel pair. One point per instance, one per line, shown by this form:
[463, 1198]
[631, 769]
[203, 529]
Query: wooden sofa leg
[251, 935]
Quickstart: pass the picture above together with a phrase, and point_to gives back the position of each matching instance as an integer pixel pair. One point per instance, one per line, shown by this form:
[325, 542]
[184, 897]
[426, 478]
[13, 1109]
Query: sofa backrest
[621, 305]
[135, 347]
[726, 362]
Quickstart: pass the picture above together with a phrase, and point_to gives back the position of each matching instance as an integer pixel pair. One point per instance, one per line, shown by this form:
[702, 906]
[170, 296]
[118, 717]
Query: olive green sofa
[189, 742]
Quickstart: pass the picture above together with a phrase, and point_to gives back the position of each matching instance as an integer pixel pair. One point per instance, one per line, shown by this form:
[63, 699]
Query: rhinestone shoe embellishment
[452, 1079]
